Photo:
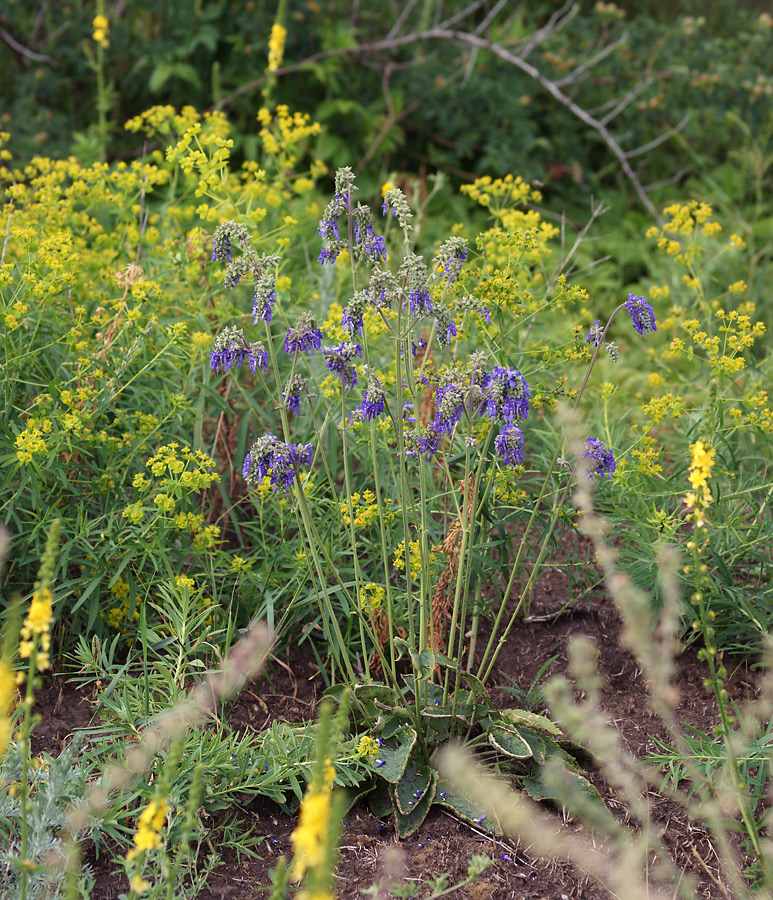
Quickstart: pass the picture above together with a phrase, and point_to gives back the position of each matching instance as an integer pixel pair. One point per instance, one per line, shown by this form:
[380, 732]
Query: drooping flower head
[593, 336]
[352, 318]
[294, 390]
[413, 273]
[509, 445]
[382, 289]
[367, 244]
[231, 349]
[224, 237]
[642, 314]
[598, 453]
[395, 202]
[265, 296]
[450, 400]
[329, 229]
[304, 335]
[339, 361]
[445, 327]
[373, 398]
[272, 458]
[506, 395]
[450, 258]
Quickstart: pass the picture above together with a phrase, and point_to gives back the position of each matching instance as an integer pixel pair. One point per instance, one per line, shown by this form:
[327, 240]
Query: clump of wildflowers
[231, 349]
[509, 445]
[642, 314]
[339, 361]
[271, 458]
[601, 456]
[304, 335]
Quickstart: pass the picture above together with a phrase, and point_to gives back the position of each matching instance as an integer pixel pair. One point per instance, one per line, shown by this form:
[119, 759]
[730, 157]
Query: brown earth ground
[370, 846]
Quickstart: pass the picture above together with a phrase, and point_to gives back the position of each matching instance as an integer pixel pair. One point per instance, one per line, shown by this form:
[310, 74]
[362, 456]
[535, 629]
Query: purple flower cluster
[451, 257]
[294, 389]
[509, 445]
[224, 235]
[339, 361]
[231, 349]
[265, 298]
[598, 452]
[371, 244]
[272, 458]
[373, 398]
[642, 314]
[305, 335]
[506, 395]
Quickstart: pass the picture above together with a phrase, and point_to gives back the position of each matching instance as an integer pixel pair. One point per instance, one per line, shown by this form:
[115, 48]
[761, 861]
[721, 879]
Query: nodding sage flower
[413, 273]
[304, 335]
[506, 395]
[231, 349]
[445, 327]
[509, 445]
[373, 398]
[594, 335]
[265, 297]
[272, 458]
[382, 289]
[395, 202]
[450, 258]
[352, 318]
[328, 228]
[450, 401]
[642, 314]
[597, 451]
[367, 243]
[291, 395]
[223, 238]
[339, 361]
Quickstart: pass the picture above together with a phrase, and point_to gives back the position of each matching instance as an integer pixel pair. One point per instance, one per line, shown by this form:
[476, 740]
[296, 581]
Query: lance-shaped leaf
[465, 809]
[511, 743]
[531, 719]
[412, 786]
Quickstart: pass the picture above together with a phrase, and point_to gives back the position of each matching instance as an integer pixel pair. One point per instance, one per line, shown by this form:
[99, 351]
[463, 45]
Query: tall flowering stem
[34, 645]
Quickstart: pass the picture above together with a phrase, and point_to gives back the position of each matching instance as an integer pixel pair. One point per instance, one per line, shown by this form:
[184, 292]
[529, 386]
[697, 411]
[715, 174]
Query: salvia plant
[432, 437]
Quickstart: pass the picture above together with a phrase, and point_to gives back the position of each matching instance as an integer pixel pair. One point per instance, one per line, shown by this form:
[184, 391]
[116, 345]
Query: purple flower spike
[602, 456]
[642, 314]
[509, 445]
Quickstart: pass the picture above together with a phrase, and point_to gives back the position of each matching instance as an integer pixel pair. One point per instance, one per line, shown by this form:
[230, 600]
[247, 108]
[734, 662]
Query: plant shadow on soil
[443, 844]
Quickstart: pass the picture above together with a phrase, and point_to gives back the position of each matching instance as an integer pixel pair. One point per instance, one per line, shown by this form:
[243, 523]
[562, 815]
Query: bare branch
[395, 29]
[672, 180]
[594, 60]
[554, 24]
[638, 151]
[490, 17]
[25, 51]
[467, 11]
[498, 50]
[638, 89]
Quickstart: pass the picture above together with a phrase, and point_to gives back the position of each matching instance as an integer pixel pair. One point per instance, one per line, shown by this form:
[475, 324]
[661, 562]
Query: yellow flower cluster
[149, 824]
[276, 46]
[101, 28]
[699, 499]
[364, 508]
[367, 747]
[29, 442]
[679, 235]
[371, 597]
[723, 350]
[37, 625]
[283, 131]
[415, 560]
